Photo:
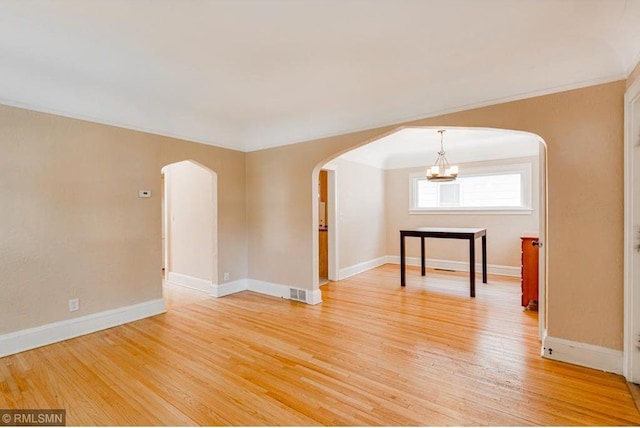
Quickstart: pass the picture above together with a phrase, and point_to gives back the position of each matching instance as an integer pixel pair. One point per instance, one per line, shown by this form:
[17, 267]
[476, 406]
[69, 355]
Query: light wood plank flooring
[371, 354]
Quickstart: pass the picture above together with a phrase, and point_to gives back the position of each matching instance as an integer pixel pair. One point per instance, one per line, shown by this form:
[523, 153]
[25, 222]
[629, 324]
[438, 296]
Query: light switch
[144, 193]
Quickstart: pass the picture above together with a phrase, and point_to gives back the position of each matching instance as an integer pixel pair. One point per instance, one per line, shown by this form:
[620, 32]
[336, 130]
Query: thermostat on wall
[144, 193]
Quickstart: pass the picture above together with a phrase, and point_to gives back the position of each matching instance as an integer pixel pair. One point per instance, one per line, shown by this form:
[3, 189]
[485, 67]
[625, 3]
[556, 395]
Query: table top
[446, 231]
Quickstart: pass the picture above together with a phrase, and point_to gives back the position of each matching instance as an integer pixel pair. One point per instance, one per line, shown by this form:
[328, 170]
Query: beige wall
[281, 218]
[374, 204]
[361, 213]
[229, 166]
[584, 132]
[190, 206]
[503, 230]
[72, 225]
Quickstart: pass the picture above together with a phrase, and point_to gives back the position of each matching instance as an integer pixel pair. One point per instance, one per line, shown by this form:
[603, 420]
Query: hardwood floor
[175, 296]
[371, 354]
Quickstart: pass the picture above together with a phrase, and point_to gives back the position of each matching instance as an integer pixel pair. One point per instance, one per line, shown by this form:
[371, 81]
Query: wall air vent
[298, 295]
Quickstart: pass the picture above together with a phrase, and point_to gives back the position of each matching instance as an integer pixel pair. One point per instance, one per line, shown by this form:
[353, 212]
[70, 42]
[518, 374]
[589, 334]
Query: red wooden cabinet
[529, 272]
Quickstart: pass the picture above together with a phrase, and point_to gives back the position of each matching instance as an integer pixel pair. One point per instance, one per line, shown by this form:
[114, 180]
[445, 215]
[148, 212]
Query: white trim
[91, 119]
[473, 211]
[507, 166]
[458, 266]
[47, 334]
[543, 254]
[362, 267]
[332, 221]
[247, 147]
[268, 288]
[454, 265]
[221, 290]
[314, 297]
[401, 122]
[633, 66]
[189, 282]
[630, 352]
[582, 354]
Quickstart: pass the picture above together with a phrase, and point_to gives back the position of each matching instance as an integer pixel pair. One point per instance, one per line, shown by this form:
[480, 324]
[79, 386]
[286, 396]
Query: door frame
[543, 225]
[630, 359]
[332, 222]
[166, 221]
[543, 230]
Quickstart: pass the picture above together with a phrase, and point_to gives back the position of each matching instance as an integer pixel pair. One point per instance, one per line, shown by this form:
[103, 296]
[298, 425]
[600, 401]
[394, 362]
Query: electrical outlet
[74, 305]
[226, 276]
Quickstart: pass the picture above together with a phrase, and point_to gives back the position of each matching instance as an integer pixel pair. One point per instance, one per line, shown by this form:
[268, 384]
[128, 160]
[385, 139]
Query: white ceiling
[418, 147]
[250, 74]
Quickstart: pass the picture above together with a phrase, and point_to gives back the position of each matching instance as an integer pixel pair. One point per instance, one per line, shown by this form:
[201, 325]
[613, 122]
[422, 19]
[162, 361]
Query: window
[495, 188]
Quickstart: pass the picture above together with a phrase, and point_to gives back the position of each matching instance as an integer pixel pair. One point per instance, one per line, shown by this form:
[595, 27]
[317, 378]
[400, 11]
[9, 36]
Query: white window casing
[494, 189]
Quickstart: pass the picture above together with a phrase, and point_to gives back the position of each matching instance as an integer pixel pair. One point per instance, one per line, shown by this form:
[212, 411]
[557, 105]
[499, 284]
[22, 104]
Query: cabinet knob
[536, 243]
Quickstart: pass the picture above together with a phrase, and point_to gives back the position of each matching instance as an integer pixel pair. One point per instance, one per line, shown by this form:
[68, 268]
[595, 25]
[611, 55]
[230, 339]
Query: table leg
[422, 256]
[484, 258]
[472, 267]
[402, 262]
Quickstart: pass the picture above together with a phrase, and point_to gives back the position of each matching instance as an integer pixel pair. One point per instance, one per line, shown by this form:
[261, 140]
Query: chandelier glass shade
[441, 169]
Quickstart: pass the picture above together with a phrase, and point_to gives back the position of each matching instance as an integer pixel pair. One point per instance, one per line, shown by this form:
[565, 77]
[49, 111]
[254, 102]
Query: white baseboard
[362, 267]
[582, 354]
[190, 282]
[268, 288]
[221, 290]
[314, 297]
[47, 334]
[458, 266]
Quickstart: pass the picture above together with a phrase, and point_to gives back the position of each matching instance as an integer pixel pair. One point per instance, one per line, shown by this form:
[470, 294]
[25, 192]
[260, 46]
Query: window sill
[473, 211]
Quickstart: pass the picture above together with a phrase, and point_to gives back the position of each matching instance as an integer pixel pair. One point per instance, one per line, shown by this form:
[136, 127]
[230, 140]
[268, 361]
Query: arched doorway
[189, 225]
[464, 144]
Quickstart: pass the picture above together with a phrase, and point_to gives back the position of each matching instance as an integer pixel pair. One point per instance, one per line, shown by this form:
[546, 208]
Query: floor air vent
[299, 295]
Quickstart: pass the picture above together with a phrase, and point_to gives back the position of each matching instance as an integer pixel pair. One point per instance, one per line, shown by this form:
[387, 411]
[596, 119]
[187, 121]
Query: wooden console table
[450, 233]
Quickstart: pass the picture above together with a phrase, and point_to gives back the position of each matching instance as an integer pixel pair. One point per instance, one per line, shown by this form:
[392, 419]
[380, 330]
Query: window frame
[524, 169]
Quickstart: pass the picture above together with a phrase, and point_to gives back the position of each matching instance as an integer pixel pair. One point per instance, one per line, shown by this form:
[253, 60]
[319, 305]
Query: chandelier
[441, 170]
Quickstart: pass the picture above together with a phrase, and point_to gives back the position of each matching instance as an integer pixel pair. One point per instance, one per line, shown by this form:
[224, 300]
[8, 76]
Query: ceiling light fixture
[441, 170]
